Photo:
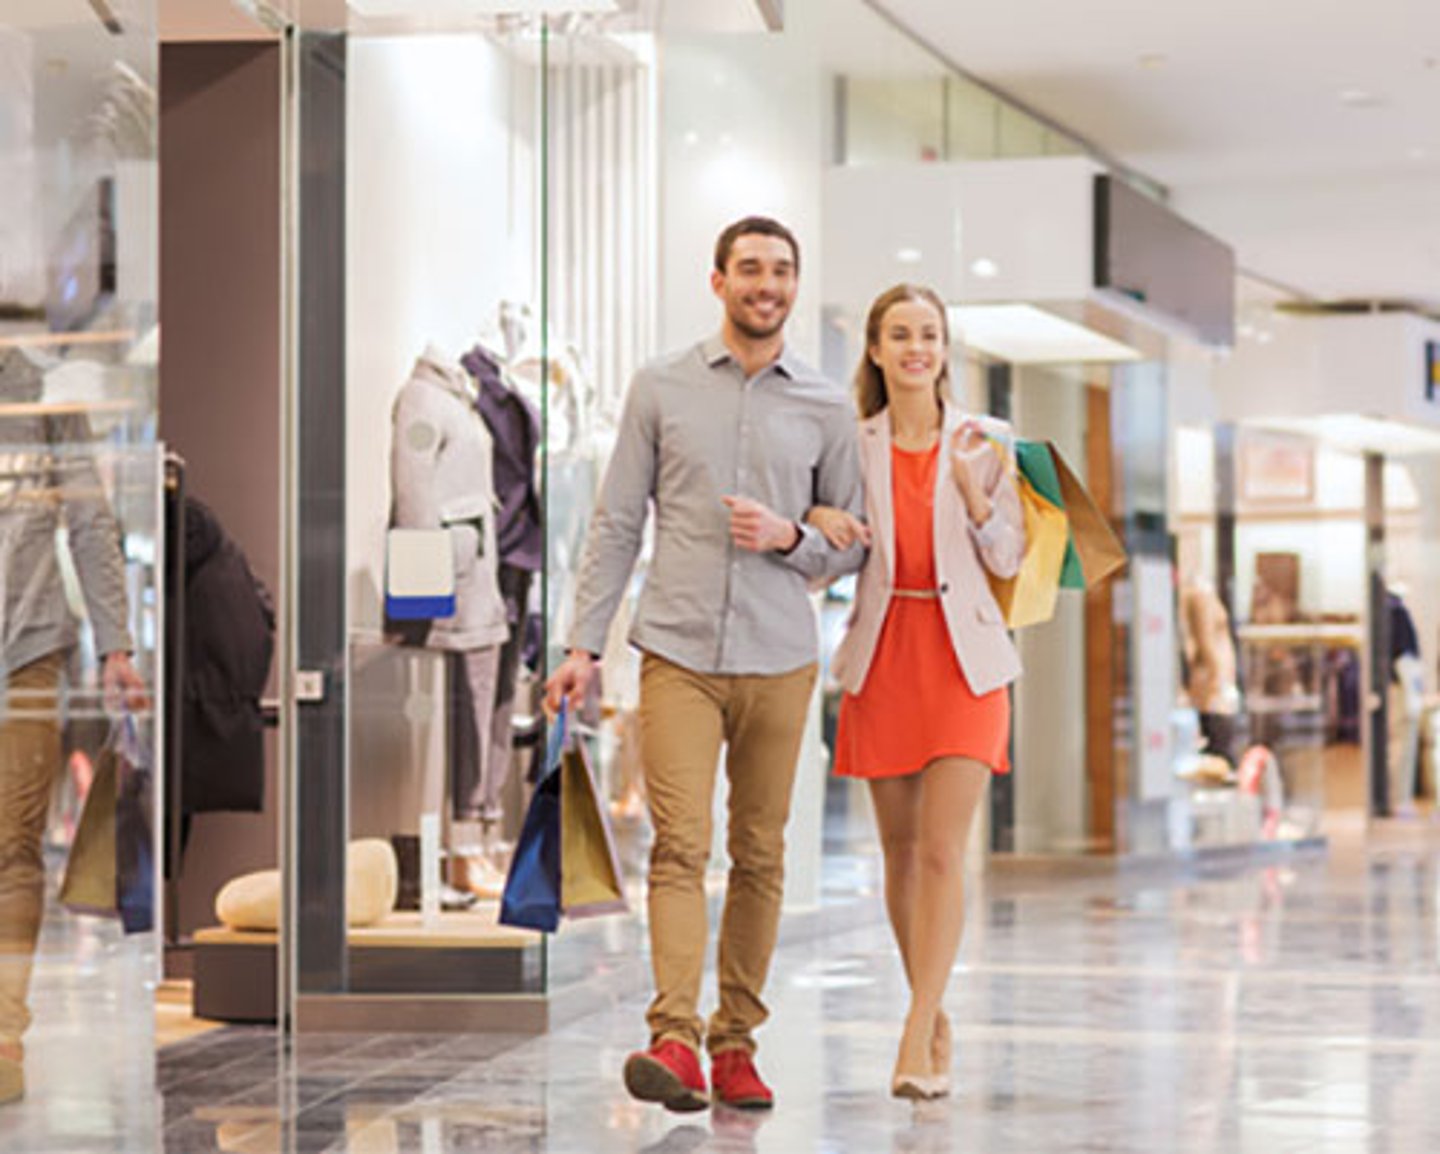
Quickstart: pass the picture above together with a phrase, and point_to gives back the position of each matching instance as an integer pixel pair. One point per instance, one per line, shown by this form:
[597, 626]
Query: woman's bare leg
[897, 816]
[950, 792]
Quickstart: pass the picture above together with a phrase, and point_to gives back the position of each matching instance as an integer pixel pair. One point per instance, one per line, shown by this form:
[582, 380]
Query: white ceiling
[1242, 117]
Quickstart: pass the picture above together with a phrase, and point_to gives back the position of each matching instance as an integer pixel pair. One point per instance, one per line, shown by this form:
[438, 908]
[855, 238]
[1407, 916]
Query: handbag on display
[419, 574]
[1068, 542]
[110, 870]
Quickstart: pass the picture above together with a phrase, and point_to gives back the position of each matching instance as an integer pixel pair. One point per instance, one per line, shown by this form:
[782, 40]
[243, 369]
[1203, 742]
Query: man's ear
[717, 281]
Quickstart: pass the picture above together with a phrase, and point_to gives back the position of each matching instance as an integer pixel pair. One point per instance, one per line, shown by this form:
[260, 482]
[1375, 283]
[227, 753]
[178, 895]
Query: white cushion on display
[372, 881]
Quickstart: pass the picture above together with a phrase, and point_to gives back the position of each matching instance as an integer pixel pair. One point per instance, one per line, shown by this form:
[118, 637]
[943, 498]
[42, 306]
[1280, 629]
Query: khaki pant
[685, 716]
[29, 760]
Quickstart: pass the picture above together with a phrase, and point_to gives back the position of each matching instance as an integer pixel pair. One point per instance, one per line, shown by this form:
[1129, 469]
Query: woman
[926, 659]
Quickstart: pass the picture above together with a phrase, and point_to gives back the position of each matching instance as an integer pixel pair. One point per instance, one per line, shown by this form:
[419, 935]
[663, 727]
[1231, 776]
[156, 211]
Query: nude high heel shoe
[920, 1087]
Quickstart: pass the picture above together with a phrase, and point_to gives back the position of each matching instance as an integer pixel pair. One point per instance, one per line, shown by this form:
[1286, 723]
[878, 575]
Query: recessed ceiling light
[1360, 98]
[985, 268]
[1418, 153]
[908, 255]
[1152, 60]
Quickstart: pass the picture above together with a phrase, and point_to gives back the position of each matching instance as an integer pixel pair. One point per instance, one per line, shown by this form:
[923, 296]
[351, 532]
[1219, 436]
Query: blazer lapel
[875, 444]
[949, 509]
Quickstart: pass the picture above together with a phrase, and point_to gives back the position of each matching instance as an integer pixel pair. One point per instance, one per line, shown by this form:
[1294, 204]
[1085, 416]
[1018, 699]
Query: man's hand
[571, 680]
[840, 528]
[758, 529]
[124, 687]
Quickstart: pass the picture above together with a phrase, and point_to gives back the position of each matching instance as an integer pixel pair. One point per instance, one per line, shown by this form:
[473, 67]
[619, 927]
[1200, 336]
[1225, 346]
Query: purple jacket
[515, 425]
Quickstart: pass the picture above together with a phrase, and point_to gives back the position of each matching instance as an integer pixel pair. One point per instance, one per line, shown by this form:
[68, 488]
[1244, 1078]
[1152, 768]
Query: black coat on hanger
[229, 644]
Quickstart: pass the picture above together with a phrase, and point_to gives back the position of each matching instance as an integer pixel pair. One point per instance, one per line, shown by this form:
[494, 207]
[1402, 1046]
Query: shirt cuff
[799, 540]
[988, 534]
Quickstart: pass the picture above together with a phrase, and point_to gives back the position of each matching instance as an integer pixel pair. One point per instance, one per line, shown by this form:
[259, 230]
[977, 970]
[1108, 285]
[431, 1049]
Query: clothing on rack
[1404, 638]
[229, 645]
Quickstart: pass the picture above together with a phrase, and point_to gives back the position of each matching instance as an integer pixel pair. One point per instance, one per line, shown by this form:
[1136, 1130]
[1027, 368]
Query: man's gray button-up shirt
[694, 430]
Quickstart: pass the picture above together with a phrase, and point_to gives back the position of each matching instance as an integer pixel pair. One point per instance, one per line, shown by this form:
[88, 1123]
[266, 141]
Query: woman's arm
[991, 496]
[842, 529]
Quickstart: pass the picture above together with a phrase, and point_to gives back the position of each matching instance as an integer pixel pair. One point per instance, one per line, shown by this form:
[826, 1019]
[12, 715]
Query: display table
[464, 953]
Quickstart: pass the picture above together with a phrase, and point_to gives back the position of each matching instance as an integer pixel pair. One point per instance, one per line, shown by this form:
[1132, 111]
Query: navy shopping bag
[531, 898]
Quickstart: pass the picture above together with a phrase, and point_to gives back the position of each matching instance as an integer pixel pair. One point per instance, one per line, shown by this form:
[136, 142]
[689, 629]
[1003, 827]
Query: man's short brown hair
[752, 226]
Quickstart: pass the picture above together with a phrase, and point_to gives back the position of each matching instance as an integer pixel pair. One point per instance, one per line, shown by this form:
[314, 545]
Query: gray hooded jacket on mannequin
[441, 463]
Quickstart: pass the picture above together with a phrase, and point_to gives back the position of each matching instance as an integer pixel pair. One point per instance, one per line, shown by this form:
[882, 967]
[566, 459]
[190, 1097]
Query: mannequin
[441, 472]
[1212, 683]
[514, 425]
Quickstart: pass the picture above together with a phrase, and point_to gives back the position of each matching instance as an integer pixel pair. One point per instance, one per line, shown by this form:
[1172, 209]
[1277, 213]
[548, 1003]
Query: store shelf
[1329, 634]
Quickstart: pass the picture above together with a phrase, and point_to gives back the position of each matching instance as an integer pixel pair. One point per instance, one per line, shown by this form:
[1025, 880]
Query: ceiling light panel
[1356, 433]
[1023, 334]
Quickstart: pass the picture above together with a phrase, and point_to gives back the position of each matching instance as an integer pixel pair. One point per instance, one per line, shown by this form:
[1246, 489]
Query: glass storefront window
[496, 273]
[81, 586]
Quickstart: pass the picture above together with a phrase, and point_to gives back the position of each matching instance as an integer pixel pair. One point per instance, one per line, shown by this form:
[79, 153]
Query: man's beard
[755, 332]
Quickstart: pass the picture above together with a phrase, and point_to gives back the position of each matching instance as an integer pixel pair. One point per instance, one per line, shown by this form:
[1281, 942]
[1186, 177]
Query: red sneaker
[737, 1083]
[669, 1073]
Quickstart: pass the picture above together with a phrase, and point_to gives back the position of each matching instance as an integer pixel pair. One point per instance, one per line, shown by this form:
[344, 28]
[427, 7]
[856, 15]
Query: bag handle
[559, 736]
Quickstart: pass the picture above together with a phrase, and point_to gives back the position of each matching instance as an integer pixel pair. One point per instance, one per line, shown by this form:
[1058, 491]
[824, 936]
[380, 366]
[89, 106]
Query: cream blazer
[963, 553]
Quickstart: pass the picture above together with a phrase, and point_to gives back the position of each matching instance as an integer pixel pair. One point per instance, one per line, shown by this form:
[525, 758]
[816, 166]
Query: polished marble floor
[1274, 1006]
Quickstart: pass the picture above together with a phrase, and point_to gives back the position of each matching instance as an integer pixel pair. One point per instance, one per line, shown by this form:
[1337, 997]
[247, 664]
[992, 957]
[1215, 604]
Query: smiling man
[733, 440]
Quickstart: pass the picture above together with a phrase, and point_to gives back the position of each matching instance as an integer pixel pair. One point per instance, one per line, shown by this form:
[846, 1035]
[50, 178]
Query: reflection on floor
[1275, 1007]
[175, 1020]
[89, 1063]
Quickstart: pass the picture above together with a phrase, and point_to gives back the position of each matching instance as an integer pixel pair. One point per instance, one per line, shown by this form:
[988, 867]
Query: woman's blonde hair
[870, 393]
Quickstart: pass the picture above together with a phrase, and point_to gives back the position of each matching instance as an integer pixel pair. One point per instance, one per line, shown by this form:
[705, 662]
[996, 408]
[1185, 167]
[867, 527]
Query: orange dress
[916, 704]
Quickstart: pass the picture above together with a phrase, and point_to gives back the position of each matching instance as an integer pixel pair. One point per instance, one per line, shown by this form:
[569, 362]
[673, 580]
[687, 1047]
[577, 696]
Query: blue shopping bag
[531, 899]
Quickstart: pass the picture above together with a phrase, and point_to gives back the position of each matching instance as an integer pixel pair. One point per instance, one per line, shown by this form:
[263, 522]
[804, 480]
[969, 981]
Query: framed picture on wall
[1276, 469]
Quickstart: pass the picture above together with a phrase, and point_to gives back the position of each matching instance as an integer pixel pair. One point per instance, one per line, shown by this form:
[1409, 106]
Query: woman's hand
[840, 528]
[971, 463]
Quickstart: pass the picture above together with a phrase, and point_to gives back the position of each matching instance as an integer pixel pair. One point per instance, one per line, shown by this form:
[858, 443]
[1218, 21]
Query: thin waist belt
[917, 594]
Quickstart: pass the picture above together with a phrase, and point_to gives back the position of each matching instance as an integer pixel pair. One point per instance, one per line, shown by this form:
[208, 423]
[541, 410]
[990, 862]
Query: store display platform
[463, 953]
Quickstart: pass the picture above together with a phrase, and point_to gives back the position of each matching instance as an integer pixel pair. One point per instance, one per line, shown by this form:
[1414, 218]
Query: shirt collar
[715, 353]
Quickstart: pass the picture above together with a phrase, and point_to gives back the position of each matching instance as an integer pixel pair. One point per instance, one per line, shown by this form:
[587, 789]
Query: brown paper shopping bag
[590, 882]
[1096, 551]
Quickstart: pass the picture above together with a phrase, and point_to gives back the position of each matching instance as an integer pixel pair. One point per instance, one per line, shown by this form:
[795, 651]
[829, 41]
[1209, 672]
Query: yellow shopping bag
[1029, 597]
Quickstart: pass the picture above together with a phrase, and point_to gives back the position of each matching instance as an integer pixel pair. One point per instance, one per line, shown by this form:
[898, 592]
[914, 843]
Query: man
[37, 635]
[733, 440]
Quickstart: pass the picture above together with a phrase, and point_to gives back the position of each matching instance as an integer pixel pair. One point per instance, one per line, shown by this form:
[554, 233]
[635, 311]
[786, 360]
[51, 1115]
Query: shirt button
[945, 587]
